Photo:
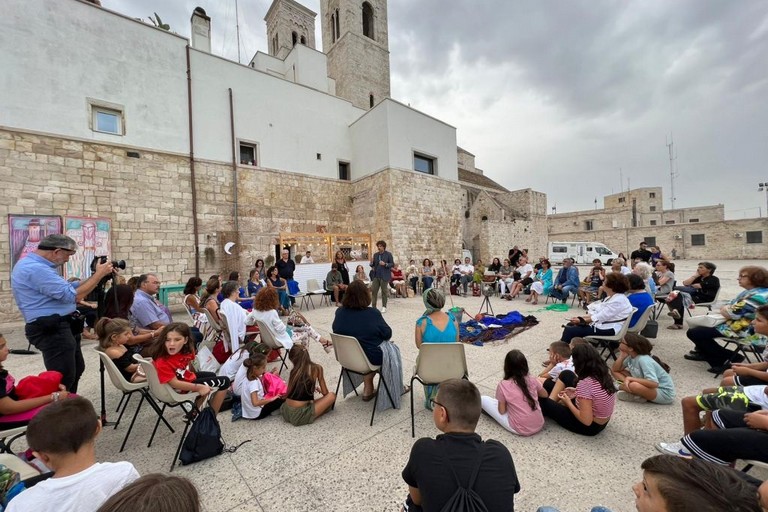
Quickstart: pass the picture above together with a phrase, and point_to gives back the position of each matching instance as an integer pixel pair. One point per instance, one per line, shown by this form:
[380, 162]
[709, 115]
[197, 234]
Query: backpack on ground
[203, 439]
[465, 499]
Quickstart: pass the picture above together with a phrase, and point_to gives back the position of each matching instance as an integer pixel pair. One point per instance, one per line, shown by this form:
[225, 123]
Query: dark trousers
[677, 304]
[413, 282]
[60, 348]
[269, 408]
[565, 418]
[732, 440]
[711, 350]
[581, 331]
[212, 380]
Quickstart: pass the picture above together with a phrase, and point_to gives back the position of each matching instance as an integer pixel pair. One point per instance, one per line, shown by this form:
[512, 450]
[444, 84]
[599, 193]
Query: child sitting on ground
[113, 334]
[15, 412]
[173, 354]
[516, 407]
[559, 360]
[63, 436]
[643, 377]
[300, 407]
[256, 405]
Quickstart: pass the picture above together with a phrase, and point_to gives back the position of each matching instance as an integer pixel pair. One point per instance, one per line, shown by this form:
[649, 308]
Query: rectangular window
[754, 237]
[588, 225]
[249, 153]
[559, 248]
[652, 208]
[423, 163]
[698, 240]
[693, 220]
[622, 199]
[669, 222]
[653, 223]
[106, 117]
[652, 195]
[650, 241]
[344, 171]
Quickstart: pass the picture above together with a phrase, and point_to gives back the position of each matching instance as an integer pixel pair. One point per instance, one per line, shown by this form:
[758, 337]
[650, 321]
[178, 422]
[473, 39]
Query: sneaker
[677, 449]
[629, 397]
[383, 310]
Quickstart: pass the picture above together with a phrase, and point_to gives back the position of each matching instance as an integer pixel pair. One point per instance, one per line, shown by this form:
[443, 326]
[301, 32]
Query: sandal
[675, 327]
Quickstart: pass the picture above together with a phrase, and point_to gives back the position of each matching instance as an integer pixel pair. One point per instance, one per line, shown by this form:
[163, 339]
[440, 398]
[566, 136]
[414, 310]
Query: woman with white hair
[645, 270]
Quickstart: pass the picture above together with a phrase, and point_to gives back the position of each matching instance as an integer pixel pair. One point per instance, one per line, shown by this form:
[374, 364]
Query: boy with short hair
[559, 360]
[63, 437]
[435, 464]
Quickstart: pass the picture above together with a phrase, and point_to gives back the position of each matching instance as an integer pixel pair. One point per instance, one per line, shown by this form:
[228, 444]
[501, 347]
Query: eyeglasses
[69, 251]
[434, 402]
[742, 276]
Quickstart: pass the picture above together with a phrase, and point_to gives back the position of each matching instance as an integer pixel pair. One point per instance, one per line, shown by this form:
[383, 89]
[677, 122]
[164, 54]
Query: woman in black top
[341, 264]
[702, 286]
[300, 406]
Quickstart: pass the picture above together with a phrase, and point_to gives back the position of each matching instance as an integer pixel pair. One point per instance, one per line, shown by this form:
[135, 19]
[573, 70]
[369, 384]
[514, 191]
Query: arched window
[294, 39]
[367, 20]
[370, 100]
[303, 40]
[333, 27]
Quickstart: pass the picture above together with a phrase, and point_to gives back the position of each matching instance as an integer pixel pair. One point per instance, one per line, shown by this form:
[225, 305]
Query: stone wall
[360, 67]
[722, 240]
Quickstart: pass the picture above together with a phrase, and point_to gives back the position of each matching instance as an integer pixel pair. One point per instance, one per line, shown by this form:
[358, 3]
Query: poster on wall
[92, 235]
[26, 231]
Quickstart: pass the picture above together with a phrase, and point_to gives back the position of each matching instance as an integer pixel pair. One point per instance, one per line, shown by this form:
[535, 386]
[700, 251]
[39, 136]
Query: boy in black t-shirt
[433, 462]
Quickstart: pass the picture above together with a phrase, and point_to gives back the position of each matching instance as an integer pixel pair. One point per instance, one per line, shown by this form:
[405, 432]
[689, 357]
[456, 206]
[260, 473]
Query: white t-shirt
[85, 491]
[756, 395]
[466, 269]
[233, 363]
[306, 259]
[235, 320]
[237, 385]
[559, 367]
[251, 386]
[525, 269]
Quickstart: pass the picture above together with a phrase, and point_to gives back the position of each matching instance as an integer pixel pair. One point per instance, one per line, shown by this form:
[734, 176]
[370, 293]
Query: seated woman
[605, 317]
[242, 295]
[412, 275]
[301, 407]
[360, 275]
[281, 286]
[435, 326]
[234, 313]
[588, 291]
[334, 283]
[542, 282]
[665, 278]
[456, 272]
[645, 271]
[357, 319]
[208, 300]
[702, 287]
[254, 282]
[117, 304]
[526, 277]
[505, 277]
[738, 313]
[13, 411]
[265, 310]
[594, 394]
[398, 281]
[638, 297]
[427, 273]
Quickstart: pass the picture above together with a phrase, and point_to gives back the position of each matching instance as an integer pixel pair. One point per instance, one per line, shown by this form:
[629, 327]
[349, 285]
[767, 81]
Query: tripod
[486, 302]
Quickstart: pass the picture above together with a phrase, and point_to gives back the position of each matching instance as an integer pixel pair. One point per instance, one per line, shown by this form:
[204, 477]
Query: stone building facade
[629, 217]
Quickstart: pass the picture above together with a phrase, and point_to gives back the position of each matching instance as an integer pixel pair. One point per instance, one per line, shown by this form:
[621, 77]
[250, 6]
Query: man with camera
[49, 303]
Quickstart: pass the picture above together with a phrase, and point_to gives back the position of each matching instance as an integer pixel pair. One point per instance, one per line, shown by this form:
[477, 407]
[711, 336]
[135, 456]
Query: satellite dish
[228, 247]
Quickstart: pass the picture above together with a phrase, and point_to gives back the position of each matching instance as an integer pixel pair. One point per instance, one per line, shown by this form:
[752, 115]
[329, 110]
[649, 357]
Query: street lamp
[763, 187]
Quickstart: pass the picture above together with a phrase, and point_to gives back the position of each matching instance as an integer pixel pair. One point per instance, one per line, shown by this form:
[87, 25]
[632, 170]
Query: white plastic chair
[128, 389]
[437, 362]
[642, 321]
[268, 338]
[604, 342]
[352, 359]
[170, 398]
[707, 305]
[314, 288]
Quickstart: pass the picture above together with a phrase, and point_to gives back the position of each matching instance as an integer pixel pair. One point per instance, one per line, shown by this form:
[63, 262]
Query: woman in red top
[587, 408]
[172, 356]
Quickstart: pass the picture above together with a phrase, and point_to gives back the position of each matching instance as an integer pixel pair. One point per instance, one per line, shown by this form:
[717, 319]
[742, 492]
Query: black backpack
[203, 440]
[465, 499]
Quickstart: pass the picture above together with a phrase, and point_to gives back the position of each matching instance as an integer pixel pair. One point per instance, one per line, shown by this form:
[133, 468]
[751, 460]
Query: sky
[582, 93]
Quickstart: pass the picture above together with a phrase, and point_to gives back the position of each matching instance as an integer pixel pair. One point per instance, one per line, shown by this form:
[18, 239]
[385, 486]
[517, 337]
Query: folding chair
[437, 362]
[128, 389]
[215, 331]
[745, 348]
[352, 359]
[170, 398]
[707, 305]
[554, 300]
[314, 288]
[11, 434]
[604, 342]
[749, 464]
[268, 338]
[642, 321]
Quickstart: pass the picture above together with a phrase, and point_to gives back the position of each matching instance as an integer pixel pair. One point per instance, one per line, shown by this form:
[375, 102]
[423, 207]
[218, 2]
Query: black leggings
[732, 440]
[212, 380]
[711, 350]
[565, 418]
[582, 331]
[269, 408]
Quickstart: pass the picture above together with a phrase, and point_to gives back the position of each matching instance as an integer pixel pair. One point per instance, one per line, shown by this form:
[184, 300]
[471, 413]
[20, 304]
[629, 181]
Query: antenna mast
[672, 172]
[237, 27]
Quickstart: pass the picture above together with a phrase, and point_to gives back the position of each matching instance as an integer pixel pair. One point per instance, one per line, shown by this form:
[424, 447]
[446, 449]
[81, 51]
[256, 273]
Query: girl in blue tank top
[435, 326]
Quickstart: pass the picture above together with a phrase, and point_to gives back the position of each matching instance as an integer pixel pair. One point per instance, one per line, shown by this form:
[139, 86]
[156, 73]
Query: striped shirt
[602, 401]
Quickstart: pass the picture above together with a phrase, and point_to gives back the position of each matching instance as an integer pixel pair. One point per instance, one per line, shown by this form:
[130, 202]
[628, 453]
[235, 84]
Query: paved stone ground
[341, 463]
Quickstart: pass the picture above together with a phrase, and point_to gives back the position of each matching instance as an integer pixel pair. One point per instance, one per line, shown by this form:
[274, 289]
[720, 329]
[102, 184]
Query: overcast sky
[569, 92]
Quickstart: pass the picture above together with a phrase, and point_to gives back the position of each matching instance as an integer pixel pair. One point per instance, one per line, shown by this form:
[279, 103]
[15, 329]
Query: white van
[581, 252]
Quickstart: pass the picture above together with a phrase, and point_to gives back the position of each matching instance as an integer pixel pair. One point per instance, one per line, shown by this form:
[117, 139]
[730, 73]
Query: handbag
[711, 320]
[220, 352]
[206, 360]
[651, 329]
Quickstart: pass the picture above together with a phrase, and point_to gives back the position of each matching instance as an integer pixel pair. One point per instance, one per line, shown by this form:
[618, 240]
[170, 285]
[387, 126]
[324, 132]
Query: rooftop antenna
[237, 27]
[672, 173]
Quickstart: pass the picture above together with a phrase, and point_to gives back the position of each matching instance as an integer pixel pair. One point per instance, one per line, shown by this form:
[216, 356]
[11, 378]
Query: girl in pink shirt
[516, 407]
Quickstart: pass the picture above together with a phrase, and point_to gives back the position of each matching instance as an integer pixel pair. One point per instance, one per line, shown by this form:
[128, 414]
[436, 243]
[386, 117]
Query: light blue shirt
[40, 291]
[146, 311]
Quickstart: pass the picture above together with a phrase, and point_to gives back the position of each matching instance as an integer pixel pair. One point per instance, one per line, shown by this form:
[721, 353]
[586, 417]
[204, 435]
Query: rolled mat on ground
[495, 328]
